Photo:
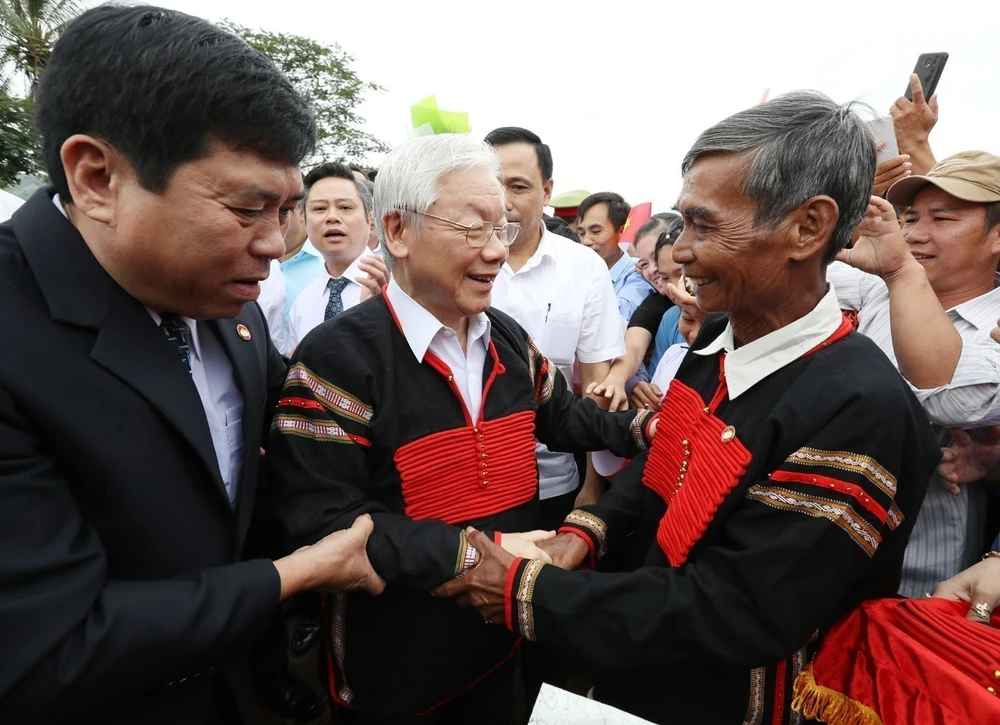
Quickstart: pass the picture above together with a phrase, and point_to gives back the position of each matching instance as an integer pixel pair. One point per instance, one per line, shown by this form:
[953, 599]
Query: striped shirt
[949, 529]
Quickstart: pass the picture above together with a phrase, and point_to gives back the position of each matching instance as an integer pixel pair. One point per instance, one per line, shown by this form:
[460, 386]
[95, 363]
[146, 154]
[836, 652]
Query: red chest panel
[470, 472]
[693, 464]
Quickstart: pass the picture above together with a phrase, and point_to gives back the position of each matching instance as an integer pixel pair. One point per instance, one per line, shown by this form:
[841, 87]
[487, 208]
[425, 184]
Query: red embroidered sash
[470, 472]
[696, 460]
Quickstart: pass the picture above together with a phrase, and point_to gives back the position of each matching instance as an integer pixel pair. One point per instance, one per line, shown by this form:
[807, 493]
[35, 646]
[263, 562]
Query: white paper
[883, 130]
[559, 707]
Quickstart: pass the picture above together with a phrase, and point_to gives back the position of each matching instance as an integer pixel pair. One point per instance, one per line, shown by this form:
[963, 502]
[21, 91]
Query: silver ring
[982, 610]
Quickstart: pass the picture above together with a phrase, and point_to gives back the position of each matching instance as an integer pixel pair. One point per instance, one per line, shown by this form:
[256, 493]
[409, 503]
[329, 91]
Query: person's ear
[810, 227]
[95, 173]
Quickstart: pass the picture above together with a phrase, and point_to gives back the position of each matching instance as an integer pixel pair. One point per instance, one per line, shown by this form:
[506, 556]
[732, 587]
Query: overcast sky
[620, 89]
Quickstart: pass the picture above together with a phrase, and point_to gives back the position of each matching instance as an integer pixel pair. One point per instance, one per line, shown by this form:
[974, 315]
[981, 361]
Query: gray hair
[797, 146]
[408, 179]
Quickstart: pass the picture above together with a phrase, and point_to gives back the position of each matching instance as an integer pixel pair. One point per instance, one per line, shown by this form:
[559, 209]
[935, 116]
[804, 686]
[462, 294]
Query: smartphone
[928, 68]
[882, 130]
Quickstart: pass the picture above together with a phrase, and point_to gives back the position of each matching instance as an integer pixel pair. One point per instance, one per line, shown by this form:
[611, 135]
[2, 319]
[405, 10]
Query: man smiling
[421, 407]
[952, 228]
[766, 507]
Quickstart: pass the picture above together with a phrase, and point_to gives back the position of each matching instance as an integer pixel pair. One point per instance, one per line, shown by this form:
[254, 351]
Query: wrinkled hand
[968, 460]
[889, 172]
[612, 389]
[913, 120]
[567, 551]
[375, 277]
[527, 544]
[646, 396]
[978, 584]
[339, 562]
[880, 247]
[482, 587]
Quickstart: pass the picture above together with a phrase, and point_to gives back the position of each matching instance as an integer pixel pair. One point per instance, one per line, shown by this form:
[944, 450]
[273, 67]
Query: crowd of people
[473, 447]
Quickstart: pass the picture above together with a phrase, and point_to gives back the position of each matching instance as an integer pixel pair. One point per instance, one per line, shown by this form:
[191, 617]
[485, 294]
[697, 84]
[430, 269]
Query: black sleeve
[649, 313]
[799, 538]
[568, 423]
[75, 640]
[318, 475]
[606, 524]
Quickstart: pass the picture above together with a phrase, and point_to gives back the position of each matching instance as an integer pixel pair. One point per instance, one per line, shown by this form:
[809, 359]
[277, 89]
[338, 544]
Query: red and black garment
[363, 427]
[758, 522]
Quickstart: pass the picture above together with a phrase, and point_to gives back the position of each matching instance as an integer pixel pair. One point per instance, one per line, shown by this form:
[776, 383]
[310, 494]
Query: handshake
[567, 551]
[339, 561]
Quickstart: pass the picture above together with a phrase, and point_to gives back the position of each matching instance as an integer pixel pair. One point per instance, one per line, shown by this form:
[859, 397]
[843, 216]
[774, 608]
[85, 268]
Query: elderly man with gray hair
[421, 408]
[790, 457]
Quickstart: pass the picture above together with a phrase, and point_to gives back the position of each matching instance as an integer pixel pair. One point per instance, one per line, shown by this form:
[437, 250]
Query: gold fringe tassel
[829, 706]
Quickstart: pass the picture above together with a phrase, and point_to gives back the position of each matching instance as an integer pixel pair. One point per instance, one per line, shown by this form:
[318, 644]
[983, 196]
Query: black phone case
[928, 68]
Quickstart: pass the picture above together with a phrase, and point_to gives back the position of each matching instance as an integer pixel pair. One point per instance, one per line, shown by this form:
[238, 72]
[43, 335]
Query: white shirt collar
[420, 327]
[193, 341]
[545, 250]
[751, 363]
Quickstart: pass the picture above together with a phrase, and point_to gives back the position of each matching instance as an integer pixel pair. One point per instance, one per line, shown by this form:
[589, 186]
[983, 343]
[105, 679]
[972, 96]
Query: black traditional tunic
[761, 520]
[364, 427]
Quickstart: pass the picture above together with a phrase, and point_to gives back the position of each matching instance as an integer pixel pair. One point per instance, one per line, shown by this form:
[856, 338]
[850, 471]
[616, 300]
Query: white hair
[409, 179]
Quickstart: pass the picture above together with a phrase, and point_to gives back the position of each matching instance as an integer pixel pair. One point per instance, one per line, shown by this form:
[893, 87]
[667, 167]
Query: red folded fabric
[904, 661]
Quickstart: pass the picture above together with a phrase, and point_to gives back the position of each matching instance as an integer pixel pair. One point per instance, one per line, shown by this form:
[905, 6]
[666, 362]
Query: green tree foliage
[324, 75]
[28, 30]
[20, 149]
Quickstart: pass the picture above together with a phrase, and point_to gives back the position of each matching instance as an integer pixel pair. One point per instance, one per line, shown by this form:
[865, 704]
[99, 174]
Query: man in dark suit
[138, 379]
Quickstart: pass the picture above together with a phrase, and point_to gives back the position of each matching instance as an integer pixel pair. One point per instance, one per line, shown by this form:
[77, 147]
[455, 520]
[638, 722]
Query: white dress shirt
[309, 308]
[212, 374]
[564, 299]
[747, 365]
[425, 333]
[272, 302]
[949, 529]
[8, 205]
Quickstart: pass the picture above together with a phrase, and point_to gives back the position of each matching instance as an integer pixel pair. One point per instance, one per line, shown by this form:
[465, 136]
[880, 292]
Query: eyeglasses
[478, 235]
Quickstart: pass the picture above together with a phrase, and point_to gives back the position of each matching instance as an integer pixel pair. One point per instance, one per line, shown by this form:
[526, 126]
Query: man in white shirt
[338, 222]
[562, 295]
[558, 291]
[952, 228]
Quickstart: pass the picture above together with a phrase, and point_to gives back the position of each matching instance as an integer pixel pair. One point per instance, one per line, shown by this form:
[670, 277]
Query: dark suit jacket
[121, 595]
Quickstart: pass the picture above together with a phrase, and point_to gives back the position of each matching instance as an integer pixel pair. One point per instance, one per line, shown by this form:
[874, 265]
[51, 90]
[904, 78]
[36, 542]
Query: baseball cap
[970, 175]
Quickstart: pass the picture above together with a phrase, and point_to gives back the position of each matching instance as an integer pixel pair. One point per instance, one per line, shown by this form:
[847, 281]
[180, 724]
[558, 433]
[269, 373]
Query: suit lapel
[131, 346]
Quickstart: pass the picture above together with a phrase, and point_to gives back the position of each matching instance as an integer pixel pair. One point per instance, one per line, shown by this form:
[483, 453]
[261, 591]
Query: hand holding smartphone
[928, 69]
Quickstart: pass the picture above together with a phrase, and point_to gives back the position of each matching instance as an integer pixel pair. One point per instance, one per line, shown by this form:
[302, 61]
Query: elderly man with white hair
[421, 408]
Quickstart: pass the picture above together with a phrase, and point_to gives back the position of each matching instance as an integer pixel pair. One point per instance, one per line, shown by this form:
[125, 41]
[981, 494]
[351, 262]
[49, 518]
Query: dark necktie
[335, 305]
[177, 333]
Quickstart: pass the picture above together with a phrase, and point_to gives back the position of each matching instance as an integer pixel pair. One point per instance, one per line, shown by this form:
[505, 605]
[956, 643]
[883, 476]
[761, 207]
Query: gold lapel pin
[243, 332]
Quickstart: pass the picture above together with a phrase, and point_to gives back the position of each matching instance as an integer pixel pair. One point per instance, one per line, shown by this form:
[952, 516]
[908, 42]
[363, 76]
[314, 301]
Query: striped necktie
[177, 332]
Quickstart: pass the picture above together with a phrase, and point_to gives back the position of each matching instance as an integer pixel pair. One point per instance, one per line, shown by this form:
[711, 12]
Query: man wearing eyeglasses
[421, 407]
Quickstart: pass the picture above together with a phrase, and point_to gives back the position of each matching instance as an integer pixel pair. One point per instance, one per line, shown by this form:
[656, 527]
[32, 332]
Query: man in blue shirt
[600, 224]
[301, 263]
